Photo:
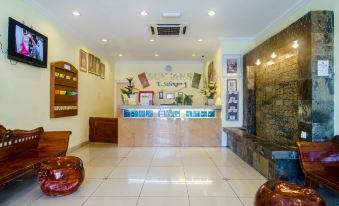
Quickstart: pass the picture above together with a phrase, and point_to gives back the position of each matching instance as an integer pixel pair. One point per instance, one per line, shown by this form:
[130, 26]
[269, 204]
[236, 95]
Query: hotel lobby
[174, 103]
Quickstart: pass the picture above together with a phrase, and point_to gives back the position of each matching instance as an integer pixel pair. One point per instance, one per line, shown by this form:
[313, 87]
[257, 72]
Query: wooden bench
[22, 150]
[320, 163]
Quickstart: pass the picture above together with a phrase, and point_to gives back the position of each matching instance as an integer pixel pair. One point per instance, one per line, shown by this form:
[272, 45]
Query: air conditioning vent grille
[168, 30]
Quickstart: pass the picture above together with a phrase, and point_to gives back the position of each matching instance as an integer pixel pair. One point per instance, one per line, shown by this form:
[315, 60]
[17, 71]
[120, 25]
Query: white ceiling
[120, 22]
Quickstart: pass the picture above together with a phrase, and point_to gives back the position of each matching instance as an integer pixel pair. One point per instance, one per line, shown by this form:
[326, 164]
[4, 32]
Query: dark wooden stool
[278, 193]
[61, 175]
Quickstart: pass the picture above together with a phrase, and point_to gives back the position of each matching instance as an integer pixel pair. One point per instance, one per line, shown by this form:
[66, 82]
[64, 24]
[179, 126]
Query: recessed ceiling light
[193, 55]
[120, 55]
[211, 13]
[156, 55]
[200, 40]
[143, 13]
[76, 13]
[152, 40]
[104, 40]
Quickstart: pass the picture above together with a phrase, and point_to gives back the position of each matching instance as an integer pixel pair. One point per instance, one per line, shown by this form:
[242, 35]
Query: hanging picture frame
[102, 70]
[97, 66]
[232, 85]
[83, 60]
[232, 106]
[91, 64]
[232, 65]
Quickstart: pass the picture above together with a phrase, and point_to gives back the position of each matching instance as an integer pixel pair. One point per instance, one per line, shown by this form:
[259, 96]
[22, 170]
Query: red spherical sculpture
[278, 193]
[61, 175]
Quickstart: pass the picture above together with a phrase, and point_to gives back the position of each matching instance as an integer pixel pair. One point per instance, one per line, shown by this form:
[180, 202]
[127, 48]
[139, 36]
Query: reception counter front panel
[168, 113]
[169, 126]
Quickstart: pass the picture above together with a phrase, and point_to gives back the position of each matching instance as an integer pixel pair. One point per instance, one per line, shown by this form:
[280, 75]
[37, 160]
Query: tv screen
[26, 45]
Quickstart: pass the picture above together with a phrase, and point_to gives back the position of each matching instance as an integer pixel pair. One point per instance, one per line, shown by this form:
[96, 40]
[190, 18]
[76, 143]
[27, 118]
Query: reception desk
[169, 126]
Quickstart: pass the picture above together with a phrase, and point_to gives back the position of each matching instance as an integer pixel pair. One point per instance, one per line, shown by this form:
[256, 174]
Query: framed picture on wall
[232, 106]
[211, 72]
[102, 70]
[232, 65]
[143, 80]
[161, 95]
[91, 67]
[232, 85]
[97, 66]
[170, 95]
[83, 60]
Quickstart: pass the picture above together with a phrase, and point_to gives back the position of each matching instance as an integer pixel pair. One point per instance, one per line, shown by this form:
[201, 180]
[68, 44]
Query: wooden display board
[64, 90]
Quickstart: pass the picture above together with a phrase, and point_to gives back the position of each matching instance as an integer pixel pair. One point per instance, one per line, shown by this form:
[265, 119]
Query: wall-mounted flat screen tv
[26, 45]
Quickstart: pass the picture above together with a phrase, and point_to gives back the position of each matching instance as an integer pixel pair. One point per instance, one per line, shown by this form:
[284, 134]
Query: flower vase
[132, 99]
[210, 102]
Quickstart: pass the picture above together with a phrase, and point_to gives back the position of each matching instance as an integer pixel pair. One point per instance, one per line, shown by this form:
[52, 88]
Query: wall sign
[143, 80]
[196, 80]
[232, 106]
[323, 68]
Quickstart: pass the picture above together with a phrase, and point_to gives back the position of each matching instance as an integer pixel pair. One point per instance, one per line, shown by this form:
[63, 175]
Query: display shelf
[63, 90]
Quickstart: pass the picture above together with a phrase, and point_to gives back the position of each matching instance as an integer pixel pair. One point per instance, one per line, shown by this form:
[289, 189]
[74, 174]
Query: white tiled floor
[168, 176]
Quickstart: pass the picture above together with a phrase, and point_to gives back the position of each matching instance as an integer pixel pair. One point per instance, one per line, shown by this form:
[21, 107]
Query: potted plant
[188, 100]
[210, 89]
[179, 100]
[129, 92]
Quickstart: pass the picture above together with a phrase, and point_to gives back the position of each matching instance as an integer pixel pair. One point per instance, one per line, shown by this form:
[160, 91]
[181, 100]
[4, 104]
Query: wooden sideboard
[103, 129]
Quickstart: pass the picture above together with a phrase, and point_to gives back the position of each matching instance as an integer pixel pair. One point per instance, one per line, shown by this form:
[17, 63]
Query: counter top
[170, 107]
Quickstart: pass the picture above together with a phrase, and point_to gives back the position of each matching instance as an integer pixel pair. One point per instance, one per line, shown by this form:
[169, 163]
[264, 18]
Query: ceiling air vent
[163, 30]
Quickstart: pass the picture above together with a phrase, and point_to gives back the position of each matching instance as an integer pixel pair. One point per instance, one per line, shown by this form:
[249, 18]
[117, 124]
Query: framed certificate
[146, 98]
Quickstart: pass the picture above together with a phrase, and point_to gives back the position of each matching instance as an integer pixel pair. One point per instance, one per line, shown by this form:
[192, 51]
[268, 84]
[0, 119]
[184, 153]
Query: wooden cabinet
[103, 129]
[64, 90]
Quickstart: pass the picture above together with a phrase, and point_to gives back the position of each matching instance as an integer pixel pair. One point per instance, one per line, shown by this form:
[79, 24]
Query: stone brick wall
[276, 88]
[284, 97]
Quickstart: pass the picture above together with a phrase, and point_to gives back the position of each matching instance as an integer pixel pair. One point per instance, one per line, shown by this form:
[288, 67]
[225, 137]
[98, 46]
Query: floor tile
[121, 188]
[111, 201]
[21, 191]
[196, 172]
[170, 162]
[96, 171]
[58, 201]
[210, 188]
[87, 187]
[155, 188]
[131, 161]
[171, 173]
[163, 201]
[240, 172]
[215, 201]
[247, 201]
[246, 188]
[129, 172]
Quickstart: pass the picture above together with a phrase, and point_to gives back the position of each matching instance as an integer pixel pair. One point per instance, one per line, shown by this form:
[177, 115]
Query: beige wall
[24, 89]
[313, 5]
[132, 69]
[229, 47]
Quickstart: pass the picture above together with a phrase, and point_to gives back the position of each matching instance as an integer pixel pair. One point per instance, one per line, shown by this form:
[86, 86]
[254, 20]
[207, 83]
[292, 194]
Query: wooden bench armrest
[54, 141]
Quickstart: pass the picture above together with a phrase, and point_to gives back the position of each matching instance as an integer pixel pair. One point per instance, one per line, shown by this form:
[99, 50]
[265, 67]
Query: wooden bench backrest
[17, 142]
